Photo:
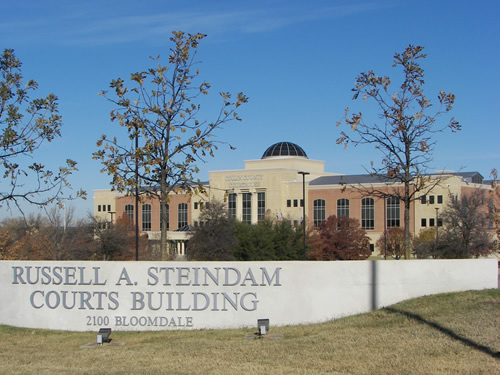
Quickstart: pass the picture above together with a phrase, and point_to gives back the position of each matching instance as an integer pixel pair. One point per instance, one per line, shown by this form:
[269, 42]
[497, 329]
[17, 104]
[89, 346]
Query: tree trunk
[163, 219]
[407, 229]
[163, 229]
[407, 181]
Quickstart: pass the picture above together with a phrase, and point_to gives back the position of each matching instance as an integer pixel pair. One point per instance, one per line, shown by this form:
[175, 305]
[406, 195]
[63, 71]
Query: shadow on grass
[446, 331]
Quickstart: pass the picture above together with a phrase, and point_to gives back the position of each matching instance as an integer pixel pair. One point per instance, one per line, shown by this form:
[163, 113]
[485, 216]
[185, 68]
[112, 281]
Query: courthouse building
[274, 186]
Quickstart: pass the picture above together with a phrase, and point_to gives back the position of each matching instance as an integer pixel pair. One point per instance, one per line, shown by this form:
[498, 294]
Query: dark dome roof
[284, 149]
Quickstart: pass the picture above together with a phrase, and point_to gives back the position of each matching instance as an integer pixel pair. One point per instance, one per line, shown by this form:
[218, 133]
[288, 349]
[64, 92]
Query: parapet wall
[85, 296]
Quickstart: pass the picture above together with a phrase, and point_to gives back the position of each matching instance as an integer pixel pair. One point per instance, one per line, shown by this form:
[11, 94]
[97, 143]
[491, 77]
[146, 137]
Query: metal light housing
[262, 326]
[103, 335]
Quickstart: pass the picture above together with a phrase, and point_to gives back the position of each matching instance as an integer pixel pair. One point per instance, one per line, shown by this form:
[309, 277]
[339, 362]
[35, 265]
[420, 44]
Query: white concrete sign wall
[85, 296]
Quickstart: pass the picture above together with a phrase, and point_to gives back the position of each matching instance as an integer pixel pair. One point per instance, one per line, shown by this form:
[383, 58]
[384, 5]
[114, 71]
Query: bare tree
[403, 134]
[392, 243]
[466, 226]
[53, 236]
[495, 202]
[26, 125]
[56, 231]
[215, 238]
[166, 138]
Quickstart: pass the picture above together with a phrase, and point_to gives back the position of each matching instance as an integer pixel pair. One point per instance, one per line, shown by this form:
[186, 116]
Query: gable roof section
[350, 180]
[371, 179]
[474, 177]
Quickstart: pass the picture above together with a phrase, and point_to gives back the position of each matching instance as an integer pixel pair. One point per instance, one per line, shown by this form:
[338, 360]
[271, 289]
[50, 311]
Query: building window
[423, 222]
[99, 208]
[146, 217]
[423, 199]
[168, 218]
[261, 206]
[195, 205]
[129, 211]
[440, 199]
[368, 214]
[319, 211]
[247, 208]
[393, 212]
[231, 205]
[431, 222]
[431, 199]
[289, 203]
[182, 215]
[301, 203]
[343, 207]
[295, 203]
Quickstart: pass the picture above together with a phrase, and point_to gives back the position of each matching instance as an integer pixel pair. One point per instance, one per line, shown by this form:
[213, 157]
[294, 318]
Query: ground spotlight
[262, 326]
[103, 335]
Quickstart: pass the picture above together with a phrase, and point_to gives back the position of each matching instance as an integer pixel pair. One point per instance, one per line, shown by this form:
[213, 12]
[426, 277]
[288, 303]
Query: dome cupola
[284, 149]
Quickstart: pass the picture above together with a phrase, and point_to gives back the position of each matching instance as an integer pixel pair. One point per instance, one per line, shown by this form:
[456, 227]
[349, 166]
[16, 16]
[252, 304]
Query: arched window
[343, 207]
[182, 215]
[319, 211]
[146, 217]
[129, 211]
[393, 216]
[368, 214]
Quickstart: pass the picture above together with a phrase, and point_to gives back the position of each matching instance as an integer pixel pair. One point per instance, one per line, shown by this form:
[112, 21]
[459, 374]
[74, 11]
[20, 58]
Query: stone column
[239, 206]
[254, 205]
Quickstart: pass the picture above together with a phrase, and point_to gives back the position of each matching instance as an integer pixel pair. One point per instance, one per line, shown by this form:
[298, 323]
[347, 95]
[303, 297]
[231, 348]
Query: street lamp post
[136, 195]
[385, 228]
[437, 231]
[304, 207]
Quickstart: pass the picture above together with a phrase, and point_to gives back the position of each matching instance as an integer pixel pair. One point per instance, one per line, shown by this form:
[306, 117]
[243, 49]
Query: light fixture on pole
[385, 228]
[136, 194]
[304, 207]
[437, 231]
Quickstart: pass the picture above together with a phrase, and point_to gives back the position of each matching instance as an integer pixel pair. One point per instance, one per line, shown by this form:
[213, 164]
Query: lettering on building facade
[244, 181]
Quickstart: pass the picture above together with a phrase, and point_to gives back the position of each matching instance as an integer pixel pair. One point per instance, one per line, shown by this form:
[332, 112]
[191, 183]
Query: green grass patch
[456, 333]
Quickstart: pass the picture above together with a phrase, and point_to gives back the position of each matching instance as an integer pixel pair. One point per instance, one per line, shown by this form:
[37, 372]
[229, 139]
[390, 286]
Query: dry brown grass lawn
[445, 334]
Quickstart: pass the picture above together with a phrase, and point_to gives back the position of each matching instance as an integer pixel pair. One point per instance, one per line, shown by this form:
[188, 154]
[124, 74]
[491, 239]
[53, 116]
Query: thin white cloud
[100, 28]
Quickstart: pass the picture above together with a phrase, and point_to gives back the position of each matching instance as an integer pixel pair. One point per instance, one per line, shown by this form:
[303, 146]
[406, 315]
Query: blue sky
[296, 60]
